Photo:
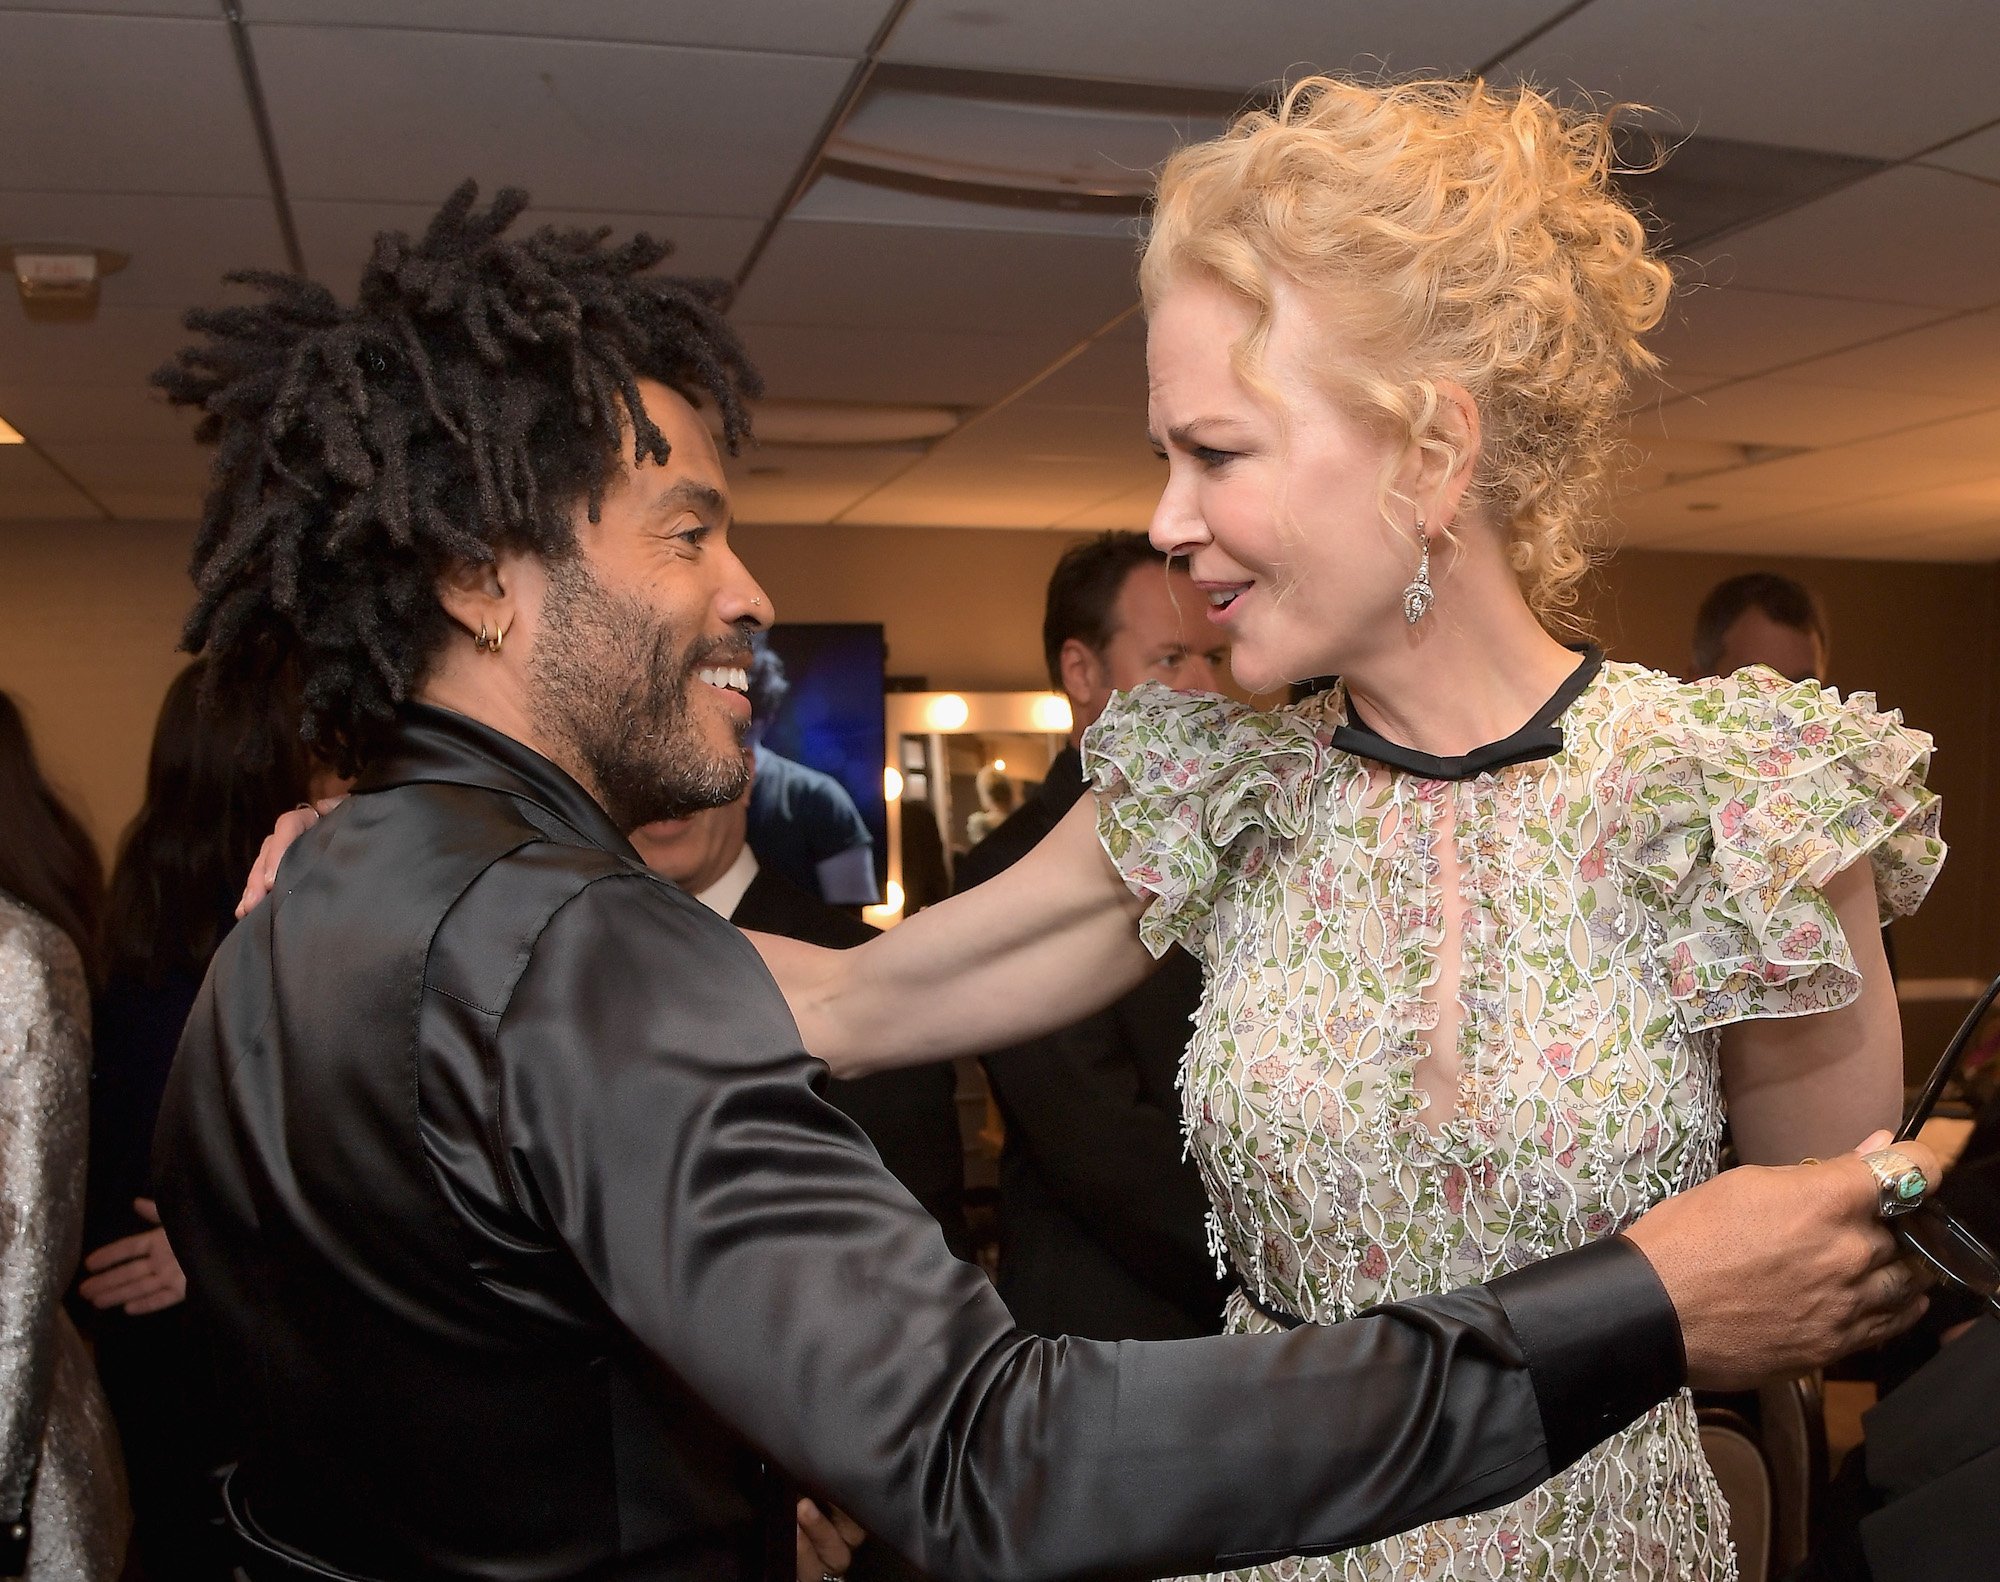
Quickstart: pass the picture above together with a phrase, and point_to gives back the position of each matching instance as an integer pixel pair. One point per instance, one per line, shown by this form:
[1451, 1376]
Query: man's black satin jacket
[511, 1202]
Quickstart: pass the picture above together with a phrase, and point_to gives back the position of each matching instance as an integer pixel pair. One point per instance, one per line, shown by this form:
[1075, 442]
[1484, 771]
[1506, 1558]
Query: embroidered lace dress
[1616, 905]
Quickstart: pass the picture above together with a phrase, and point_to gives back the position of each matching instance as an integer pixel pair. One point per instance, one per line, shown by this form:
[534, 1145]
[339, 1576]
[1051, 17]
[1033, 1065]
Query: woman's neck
[1473, 671]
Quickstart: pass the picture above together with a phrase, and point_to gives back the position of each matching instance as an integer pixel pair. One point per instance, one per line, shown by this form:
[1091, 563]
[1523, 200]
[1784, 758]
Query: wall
[963, 606]
[89, 616]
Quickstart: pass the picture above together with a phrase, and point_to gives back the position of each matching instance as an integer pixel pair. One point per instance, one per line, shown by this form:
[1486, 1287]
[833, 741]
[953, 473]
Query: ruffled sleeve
[1184, 782]
[1747, 796]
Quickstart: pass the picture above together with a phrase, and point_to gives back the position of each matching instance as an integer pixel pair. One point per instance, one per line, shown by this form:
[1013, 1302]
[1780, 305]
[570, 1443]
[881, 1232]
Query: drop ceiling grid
[1197, 43]
[373, 114]
[88, 100]
[1844, 76]
[823, 27]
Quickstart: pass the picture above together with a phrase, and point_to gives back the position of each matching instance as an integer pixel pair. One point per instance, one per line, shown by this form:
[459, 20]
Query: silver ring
[831, 1576]
[1900, 1183]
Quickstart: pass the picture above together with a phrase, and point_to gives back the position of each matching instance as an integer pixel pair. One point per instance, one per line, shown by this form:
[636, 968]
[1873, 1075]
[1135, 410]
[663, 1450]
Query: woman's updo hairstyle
[1465, 233]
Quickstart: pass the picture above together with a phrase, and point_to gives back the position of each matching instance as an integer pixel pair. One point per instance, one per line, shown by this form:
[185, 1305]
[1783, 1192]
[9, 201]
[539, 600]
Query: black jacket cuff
[1602, 1340]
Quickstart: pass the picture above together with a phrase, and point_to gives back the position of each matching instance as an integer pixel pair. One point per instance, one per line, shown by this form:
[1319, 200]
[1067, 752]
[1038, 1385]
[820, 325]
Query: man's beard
[610, 680]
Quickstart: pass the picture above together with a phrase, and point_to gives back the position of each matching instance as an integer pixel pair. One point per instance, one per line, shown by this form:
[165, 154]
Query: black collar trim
[442, 747]
[1541, 737]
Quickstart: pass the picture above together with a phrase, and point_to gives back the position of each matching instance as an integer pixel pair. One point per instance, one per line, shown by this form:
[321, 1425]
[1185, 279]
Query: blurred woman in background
[223, 766]
[62, 1497]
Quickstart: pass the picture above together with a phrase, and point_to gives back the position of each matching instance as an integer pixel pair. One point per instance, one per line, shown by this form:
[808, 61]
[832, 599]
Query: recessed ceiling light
[10, 435]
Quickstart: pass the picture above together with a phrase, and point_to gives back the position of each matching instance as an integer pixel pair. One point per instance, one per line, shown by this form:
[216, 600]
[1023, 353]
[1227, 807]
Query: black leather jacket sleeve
[658, 1118]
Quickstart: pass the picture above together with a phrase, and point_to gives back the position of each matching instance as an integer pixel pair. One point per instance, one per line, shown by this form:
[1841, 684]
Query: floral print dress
[1615, 905]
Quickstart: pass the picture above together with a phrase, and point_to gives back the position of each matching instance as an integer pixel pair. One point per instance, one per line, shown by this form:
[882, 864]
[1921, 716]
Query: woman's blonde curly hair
[1469, 234]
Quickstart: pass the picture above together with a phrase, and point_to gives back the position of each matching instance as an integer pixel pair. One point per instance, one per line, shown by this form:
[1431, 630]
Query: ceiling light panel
[1002, 146]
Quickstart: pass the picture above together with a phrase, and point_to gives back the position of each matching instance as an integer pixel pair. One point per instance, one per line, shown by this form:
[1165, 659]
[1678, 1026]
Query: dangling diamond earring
[1418, 595]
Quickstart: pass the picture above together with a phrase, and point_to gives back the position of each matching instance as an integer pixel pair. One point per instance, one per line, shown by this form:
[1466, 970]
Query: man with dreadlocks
[500, 1177]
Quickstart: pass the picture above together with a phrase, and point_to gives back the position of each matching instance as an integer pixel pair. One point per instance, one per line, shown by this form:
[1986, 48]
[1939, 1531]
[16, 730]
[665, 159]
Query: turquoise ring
[1900, 1184]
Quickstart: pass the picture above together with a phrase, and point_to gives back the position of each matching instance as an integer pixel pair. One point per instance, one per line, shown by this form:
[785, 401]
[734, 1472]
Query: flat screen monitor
[818, 694]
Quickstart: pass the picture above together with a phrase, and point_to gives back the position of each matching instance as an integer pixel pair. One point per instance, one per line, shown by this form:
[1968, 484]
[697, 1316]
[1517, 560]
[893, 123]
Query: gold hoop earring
[499, 637]
[1419, 595]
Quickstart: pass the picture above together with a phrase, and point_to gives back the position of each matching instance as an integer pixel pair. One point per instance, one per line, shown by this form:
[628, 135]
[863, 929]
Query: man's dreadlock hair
[473, 396]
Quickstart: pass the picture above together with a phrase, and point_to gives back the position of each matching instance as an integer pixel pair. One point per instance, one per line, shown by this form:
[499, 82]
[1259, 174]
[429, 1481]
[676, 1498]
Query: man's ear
[1081, 670]
[479, 596]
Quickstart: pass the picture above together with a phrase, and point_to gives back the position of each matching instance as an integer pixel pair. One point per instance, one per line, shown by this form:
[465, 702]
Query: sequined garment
[58, 1449]
[1616, 905]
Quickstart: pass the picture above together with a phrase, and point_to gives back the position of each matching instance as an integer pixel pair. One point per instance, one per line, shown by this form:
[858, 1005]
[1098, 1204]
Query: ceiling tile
[898, 277]
[196, 8]
[1907, 235]
[622, 128]
[1883, 80]
[1732, 330]
[945, 490]
[1108, 373]
[30, 490]
[813, 362]
[121, 346]
[122, 413]
[134, 464]
[1794, 411]
[1028, 436]
[1978, 155]
[837, 198]
[825, 27]
[777, 483]
[337, 238]
[1129, 512]
[180, 247]
[1958, 355]
[1190, 42]
[125, 104]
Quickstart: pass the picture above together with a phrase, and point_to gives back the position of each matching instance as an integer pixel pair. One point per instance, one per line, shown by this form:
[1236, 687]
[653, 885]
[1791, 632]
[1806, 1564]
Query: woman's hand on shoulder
[290, 826]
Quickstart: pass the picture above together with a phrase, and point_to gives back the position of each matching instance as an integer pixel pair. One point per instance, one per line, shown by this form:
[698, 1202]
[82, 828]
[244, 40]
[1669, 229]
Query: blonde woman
[1496, 932]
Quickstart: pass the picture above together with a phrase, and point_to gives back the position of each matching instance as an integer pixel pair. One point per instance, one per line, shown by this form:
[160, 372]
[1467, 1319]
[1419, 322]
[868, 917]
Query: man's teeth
[731, 680]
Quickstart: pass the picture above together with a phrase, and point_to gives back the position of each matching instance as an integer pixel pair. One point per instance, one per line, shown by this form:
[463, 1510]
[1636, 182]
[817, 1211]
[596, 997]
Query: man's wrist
[1602, 1339]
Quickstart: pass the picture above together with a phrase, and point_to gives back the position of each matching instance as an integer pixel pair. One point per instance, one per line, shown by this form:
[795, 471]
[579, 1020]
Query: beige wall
[89, 617]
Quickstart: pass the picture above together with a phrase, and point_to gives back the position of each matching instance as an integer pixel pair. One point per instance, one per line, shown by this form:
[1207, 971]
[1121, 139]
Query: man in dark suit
[910, 1115]
[1103, 1218]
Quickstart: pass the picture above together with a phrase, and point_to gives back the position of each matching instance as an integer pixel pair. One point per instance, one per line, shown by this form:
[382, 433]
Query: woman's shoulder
[39, 965]
[1154, 742]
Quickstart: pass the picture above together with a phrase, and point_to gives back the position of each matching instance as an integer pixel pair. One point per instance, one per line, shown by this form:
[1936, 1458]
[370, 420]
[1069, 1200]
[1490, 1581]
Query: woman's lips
[1222, 598]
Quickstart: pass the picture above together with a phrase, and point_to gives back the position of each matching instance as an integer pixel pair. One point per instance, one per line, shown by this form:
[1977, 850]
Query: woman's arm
[1814, 1086]
[1035, 948]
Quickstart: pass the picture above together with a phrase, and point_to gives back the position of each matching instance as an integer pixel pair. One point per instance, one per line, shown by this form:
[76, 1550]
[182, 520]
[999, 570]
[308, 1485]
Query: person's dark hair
[47, 859]
[471, 399]
[768, 685]
[226, 761]
[1783, 600]
[1083, 593]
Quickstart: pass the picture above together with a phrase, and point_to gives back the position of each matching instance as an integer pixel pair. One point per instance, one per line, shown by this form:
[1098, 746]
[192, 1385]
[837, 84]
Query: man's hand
[1775, 1271]
[290, 826]
[827, 1542]
[138, 1273]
